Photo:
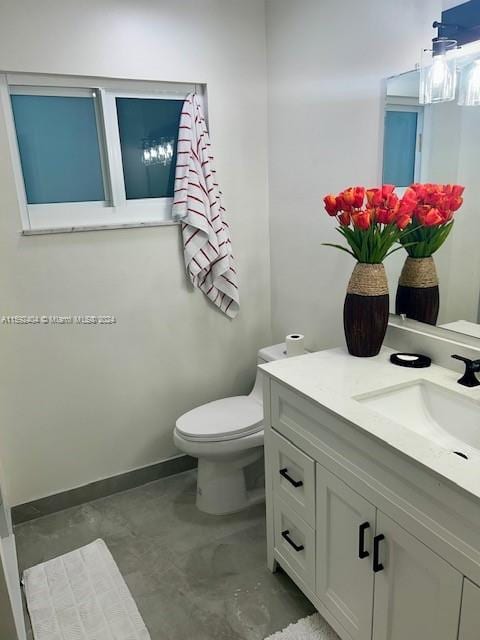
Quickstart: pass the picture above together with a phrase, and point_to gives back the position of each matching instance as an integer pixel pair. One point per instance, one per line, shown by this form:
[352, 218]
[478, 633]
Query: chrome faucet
[469, 379]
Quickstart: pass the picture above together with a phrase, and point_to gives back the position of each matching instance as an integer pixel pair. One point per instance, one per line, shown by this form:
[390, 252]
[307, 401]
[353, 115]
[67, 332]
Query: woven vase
[418, 296]
[365, 313]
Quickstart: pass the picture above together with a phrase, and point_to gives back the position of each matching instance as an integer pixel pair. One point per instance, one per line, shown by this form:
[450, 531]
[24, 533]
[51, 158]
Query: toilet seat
[225, 419]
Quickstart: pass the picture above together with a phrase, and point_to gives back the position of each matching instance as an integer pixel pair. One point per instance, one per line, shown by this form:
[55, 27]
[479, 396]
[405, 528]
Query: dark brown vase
[365, 313]
[418, 295]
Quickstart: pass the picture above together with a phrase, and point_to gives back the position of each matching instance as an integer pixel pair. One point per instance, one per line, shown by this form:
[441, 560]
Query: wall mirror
[438, 143]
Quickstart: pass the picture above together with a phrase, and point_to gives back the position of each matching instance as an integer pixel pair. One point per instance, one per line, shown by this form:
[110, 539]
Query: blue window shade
[399, 147]
[59, 149]
[145, 125]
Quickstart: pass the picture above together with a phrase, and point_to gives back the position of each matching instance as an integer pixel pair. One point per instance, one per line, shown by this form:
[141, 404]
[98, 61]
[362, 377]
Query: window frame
[115, 211]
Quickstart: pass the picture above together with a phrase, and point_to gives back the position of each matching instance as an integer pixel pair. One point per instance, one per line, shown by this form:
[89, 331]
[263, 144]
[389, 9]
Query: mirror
[438, 143]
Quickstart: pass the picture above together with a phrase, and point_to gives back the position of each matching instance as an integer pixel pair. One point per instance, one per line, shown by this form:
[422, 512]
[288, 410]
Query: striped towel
[197, 203]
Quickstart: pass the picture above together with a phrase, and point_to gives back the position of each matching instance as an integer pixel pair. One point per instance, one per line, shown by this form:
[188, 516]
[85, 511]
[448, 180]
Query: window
[91, 156]
[402, 145]
[59, 148]
[148, 139]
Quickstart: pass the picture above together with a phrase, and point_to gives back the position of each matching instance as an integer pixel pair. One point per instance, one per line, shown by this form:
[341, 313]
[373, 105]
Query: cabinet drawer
[294, 542]
[293, 477]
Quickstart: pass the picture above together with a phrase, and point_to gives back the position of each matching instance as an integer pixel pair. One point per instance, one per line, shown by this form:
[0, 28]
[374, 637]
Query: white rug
[312, 628]
[82, 596]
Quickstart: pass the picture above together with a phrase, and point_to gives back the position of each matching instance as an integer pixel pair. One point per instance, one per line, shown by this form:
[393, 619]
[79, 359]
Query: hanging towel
[197, 204]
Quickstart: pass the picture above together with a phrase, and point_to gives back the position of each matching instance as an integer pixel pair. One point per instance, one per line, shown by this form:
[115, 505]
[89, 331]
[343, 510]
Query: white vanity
[369, 509]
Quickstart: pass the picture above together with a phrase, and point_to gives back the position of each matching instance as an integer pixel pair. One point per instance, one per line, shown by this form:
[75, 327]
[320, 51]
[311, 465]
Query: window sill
[99, 227]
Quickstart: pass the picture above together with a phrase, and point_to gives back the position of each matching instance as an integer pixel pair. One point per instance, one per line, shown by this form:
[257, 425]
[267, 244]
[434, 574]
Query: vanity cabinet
[365, 563]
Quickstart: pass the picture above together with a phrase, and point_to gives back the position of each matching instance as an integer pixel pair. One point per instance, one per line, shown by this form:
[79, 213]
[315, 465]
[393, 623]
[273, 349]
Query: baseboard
[101, 488]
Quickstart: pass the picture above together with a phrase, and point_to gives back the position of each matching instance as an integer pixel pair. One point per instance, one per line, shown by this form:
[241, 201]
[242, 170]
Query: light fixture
[438, 71]
[469, 93]
[157, 151]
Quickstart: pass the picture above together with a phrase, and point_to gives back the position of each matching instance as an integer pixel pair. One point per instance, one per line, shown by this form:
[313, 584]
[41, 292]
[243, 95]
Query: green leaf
[427, 240]
[396, 249]
[349, 236]
[338, 246]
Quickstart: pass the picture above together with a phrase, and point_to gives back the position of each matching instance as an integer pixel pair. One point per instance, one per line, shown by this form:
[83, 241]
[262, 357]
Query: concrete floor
[192, 575]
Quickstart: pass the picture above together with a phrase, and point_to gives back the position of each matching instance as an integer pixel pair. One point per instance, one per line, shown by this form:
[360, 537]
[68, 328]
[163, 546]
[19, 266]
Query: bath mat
[82, 596]
[312, 628]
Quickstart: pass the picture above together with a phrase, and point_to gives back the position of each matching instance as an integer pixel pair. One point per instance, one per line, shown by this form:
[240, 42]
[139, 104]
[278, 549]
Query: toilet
[227, 437]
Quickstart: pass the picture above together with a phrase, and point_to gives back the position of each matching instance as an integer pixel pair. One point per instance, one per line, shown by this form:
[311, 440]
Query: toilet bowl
[227, 437]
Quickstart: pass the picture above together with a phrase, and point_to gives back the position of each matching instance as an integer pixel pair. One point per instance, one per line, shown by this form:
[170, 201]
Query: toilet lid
[222, 419]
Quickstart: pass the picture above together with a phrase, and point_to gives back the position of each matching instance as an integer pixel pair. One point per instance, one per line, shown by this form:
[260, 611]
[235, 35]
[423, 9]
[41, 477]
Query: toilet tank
[275, 352]
[267, 354]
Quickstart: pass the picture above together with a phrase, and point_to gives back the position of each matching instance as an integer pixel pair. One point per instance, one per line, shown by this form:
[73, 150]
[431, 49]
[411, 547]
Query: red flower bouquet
[372, 220]
[418, 294]
[432, 218]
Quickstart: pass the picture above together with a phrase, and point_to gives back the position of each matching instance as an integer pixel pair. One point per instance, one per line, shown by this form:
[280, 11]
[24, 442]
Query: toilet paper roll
[295, 344]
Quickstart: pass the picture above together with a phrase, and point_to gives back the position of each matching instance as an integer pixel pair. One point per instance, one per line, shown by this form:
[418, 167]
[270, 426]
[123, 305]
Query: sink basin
[446, 417]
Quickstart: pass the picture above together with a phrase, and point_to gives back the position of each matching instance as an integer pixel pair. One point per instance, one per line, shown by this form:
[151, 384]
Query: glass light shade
[438, 78]
[469, 94]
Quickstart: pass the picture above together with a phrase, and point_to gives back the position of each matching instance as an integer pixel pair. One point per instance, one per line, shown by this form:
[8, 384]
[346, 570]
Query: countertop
[333, 379]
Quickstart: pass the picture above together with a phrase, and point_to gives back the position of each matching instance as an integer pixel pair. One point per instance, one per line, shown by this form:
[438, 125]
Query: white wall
[326, 64]
[81, 403]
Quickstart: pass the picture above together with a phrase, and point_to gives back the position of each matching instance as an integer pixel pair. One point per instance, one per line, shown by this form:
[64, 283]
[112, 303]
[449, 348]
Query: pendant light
[438, 71]
[459, 28]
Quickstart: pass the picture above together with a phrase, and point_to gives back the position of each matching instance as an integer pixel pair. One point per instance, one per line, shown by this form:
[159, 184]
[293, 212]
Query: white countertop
[333, 379]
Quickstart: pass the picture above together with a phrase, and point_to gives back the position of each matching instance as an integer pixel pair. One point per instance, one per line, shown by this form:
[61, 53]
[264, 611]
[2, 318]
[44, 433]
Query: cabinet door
[470, 614]
[345, 529]
[417, 593]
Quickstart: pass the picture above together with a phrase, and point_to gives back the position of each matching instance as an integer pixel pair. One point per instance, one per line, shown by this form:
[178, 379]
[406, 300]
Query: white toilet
[226, 436]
